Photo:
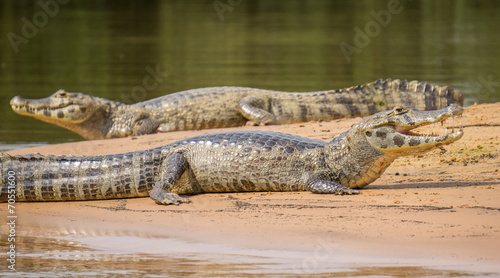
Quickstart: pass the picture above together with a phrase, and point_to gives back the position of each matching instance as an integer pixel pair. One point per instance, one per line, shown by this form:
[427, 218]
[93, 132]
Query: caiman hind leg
[323, 186]
[176, 176]
[256, 111]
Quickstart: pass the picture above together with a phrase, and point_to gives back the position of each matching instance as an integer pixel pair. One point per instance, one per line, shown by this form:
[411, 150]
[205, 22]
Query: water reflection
[43, 256]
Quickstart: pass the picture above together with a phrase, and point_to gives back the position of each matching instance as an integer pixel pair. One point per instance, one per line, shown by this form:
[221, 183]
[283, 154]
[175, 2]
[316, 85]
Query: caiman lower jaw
[420, 140]
[405, 141]
[409, 139]
[52, 112]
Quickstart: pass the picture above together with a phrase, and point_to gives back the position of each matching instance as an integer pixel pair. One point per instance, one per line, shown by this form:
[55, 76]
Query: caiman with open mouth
[230, 162]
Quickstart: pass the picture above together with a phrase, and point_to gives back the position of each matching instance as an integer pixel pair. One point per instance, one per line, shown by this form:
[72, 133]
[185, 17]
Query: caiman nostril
[17, 101]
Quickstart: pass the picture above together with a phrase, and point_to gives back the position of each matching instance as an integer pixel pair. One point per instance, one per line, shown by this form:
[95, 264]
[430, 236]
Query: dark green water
[107, 48]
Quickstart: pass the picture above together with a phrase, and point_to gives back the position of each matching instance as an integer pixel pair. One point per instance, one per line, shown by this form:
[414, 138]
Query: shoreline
[434, 207]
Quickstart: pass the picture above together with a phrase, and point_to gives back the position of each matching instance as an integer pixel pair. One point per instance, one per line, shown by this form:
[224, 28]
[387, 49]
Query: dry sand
[439, 206]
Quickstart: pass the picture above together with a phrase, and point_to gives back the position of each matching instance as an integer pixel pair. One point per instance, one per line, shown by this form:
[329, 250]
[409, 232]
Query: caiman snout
[455, 109]
[17, 101]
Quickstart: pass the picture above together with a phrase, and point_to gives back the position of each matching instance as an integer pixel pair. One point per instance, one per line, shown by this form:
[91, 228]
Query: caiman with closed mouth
[97, 118]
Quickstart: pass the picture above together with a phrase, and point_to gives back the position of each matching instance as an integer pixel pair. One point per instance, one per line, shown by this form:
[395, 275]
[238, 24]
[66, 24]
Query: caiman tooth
[435, 129]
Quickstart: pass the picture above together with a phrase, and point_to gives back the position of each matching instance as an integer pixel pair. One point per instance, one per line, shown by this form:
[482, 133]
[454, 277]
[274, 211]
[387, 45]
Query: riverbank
[441, 208]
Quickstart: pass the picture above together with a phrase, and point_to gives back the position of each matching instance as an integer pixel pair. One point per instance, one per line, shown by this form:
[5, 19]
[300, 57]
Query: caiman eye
[400, 110]
[61, 94]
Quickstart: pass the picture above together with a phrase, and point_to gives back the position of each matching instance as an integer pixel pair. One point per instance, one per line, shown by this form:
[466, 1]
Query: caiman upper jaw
[428, 117]
[36, 109]
[19, 103]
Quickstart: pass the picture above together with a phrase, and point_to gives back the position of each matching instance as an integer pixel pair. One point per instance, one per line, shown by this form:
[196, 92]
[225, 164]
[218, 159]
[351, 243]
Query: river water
[82, 254]
[108, 48]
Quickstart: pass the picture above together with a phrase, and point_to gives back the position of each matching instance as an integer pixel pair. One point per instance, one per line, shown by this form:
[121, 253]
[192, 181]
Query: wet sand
[436, 210]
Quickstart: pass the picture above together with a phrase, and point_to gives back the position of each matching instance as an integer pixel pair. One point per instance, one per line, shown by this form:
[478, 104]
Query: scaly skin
[98, 118]
[229, 162]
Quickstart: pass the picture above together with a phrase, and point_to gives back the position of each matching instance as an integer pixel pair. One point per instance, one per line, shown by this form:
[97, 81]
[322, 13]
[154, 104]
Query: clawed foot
[262, 123]
[252, 123]
[347, 191]
[165, 198]
[321, 186]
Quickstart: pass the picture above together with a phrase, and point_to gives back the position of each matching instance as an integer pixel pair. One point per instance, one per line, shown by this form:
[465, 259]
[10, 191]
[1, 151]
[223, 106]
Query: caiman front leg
[254, 110]
[322, 186]
[133, 124]
[145, 124]
[172, 169]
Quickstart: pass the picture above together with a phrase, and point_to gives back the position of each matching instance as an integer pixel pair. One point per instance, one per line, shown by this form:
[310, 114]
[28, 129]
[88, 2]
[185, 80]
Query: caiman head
[74, 111]
[392, 132]
[371, 145]
[59, 107]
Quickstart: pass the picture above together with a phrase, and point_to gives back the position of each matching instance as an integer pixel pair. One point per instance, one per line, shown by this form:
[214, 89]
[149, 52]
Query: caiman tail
[67, 178]
[419, 95]
[359, 101]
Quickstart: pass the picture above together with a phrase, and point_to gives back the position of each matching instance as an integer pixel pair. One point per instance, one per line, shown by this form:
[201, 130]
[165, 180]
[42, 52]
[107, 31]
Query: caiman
[98, 118]
[238, 161]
